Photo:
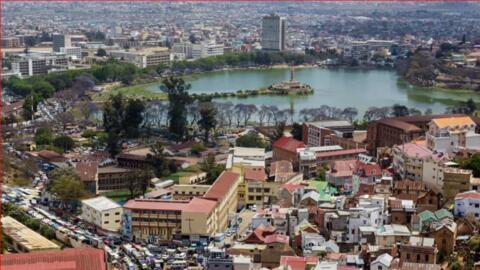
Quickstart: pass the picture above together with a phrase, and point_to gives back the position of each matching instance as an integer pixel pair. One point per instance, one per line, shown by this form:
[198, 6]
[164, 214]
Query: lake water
[334, 87]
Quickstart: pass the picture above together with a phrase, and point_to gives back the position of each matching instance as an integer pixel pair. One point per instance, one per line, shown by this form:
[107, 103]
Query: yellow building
[159, 219]
[24, 239]
[192, 178]
[199, 217]
[187, 192]
[225, 192]
[261, 193]
[455, 181]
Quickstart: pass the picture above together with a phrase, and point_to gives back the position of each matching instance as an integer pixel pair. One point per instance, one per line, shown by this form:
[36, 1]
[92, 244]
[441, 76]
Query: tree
[64, 142]
[250, 140]
[68, 188]
[208, 120]
[197, 149]
[121, 119]
[43, 136]
[279, 131]
[212, 169]
[399, 110]
[349, 113]
[178, 97]
[157, 160]
[297, 131]
[101, 52]
[472, 163]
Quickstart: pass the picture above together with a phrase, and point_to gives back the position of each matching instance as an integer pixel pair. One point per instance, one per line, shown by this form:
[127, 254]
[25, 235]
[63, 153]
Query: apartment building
[455, 181]
[408, 160]
[103, 213]
[450, 134]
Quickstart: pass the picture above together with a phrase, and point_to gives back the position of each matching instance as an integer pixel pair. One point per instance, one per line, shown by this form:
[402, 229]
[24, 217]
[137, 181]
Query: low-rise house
[382, 262]
[192, 178]
[281, 171]
[365, 173]
[467, 203]
[401, 211]
[296, 262]
[246, 156]
[276, 247]
[102, 212]
[418, 250]
[340, 173]
[389, 235]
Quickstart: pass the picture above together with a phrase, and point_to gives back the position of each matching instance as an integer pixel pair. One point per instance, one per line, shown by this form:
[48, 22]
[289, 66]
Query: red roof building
[221, 186]
[67, 259]
[254, 175]
[285, 148]
[298, 263]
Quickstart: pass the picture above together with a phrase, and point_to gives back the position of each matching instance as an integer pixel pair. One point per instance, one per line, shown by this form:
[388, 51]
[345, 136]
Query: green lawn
[135, 91]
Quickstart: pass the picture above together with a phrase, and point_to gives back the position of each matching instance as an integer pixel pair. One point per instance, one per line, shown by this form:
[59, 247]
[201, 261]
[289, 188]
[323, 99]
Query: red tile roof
[199, 205]
[87, 171]
[221, 186]
[276, 238]
[468, 195]
[292, 187]
[141, 204]
[255, 175]
[67, 259]
[368, 169]
[288, 144]
[51, 155]
[298, 263]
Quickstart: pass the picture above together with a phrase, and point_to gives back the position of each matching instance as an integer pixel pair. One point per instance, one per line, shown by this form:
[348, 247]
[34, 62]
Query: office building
[273, 33]
[103, 213]
[61, 41]
[145, 57]
[73, 52]
[36, 63]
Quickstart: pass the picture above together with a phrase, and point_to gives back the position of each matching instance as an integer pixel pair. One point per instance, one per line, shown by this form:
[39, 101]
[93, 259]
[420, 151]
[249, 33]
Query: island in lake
[292, 86]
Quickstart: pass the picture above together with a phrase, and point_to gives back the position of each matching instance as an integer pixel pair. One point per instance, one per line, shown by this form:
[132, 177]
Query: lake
[334, 87]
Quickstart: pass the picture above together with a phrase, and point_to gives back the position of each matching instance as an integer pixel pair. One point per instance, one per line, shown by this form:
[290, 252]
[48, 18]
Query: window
[107, 214]
[106, 222]
[426, 257]
[408, 256]
[117, 221]
[117, 213]
[418, 257]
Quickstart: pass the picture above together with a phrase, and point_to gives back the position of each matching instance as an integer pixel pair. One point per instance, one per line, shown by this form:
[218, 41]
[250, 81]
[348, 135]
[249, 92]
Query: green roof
[427, 215]
[322, 186]
[443, 213]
